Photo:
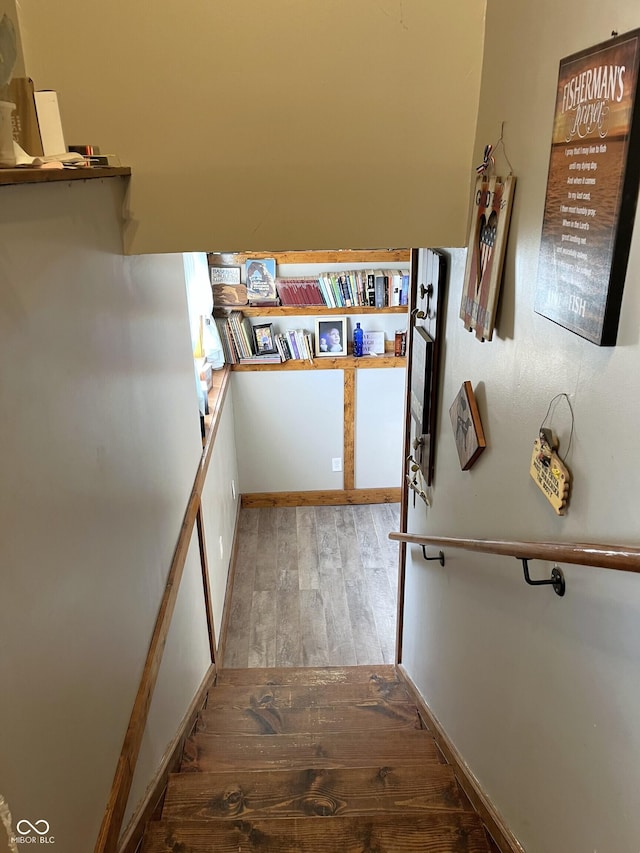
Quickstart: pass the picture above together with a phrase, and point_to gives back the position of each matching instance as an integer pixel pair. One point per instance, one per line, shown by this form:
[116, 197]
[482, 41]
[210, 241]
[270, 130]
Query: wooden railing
[121, 787]
[619, 557]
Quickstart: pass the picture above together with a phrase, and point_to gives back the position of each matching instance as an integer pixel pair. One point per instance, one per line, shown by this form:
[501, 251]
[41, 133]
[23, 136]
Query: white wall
[379, 427]
[100, 444]
[288, 429]
[289, 425]
[541, 695]
[219, 509]
[275, 125]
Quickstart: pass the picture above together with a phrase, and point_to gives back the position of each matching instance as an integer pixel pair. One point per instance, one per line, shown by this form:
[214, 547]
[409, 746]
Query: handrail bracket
[556, 580]
[439, 557]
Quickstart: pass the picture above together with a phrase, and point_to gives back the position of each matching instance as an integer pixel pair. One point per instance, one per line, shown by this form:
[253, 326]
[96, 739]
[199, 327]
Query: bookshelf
[328, 407]
[342, 362]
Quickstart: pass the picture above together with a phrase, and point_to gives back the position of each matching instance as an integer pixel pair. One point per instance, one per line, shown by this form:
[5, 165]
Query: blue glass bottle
[358, 340]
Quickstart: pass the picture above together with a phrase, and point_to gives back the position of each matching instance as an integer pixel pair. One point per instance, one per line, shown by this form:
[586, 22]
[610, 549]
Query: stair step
[437, 832]
[291, 793]
[307, 675]
[209, 752]
[298, 697]
[372, 714]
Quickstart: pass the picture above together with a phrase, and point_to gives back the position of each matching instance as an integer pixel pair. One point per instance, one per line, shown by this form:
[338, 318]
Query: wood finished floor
[314, 586]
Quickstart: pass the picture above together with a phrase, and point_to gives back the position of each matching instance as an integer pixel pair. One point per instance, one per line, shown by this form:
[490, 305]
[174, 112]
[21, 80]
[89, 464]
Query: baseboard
[320, 497]
[504, 839]
[226, 607]
[132, 837]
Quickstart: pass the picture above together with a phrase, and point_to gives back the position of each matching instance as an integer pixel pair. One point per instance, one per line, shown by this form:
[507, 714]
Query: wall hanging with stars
[492, 202]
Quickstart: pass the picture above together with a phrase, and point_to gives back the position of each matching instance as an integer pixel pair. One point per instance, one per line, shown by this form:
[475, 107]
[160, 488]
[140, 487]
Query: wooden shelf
[307, 310]
[11, 177]
[373, 257]
[342, 362]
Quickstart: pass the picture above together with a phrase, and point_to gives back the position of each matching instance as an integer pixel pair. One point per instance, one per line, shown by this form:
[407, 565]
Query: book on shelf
[299, 291]
[265, 303]
[261, 279]
[404, 295]
[395, 286]
[236, 335]
[381, 290]
[262, 359]
[371, 289]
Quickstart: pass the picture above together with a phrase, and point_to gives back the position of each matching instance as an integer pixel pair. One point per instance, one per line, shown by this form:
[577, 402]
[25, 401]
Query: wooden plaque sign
[592, 190]
[549, 472]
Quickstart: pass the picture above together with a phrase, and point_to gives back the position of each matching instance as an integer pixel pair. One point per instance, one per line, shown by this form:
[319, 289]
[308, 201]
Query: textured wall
[540, 694]
[100, 445]
[279, 125]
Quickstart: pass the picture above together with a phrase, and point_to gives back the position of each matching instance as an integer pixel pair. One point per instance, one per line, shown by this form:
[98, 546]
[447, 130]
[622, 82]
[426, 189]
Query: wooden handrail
[620, 557]
[121, 787]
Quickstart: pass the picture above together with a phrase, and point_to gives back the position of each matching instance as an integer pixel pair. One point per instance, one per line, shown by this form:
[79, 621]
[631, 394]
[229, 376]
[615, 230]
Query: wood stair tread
[206, 751]
[371, 714]
[307, 792]
[299, 760]
[301, 696]
[306, 675]
[436, 832]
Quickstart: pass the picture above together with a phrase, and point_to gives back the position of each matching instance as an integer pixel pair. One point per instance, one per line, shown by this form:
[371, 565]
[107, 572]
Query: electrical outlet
[336, 464]
[221, 549]
[233, 489]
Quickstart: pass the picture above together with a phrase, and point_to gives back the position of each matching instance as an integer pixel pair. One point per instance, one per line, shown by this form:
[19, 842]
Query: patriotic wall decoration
[493, 200]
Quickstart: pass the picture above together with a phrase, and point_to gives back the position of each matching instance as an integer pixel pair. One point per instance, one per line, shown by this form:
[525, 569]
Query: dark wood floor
[314, 586]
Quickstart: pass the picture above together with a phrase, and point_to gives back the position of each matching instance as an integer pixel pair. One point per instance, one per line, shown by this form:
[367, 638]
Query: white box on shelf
[373, 343]
[49, 122]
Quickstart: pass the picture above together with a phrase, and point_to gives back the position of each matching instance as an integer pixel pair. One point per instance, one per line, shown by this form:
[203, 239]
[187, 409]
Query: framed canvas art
[592, 190]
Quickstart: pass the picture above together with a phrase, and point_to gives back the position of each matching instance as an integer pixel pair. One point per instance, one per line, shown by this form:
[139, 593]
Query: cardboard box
[25, 121]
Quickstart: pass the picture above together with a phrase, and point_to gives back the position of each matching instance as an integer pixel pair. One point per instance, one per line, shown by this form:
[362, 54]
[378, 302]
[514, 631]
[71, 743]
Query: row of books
[353, 288]
[238, 342]
[236, 335]
[295, 344]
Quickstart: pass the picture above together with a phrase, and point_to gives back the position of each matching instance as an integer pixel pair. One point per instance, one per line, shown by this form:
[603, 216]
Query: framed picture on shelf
[261, 279]
[264, 339]
[225, 275]
[331, 336]
[467, 427]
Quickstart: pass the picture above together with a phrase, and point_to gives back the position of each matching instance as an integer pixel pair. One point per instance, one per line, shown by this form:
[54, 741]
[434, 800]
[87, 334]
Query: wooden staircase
[296, 759]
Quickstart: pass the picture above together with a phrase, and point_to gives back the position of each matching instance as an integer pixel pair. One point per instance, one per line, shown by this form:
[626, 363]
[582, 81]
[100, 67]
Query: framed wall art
[488, 233]
[592, 190]
[420, 388]
[467, 426]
